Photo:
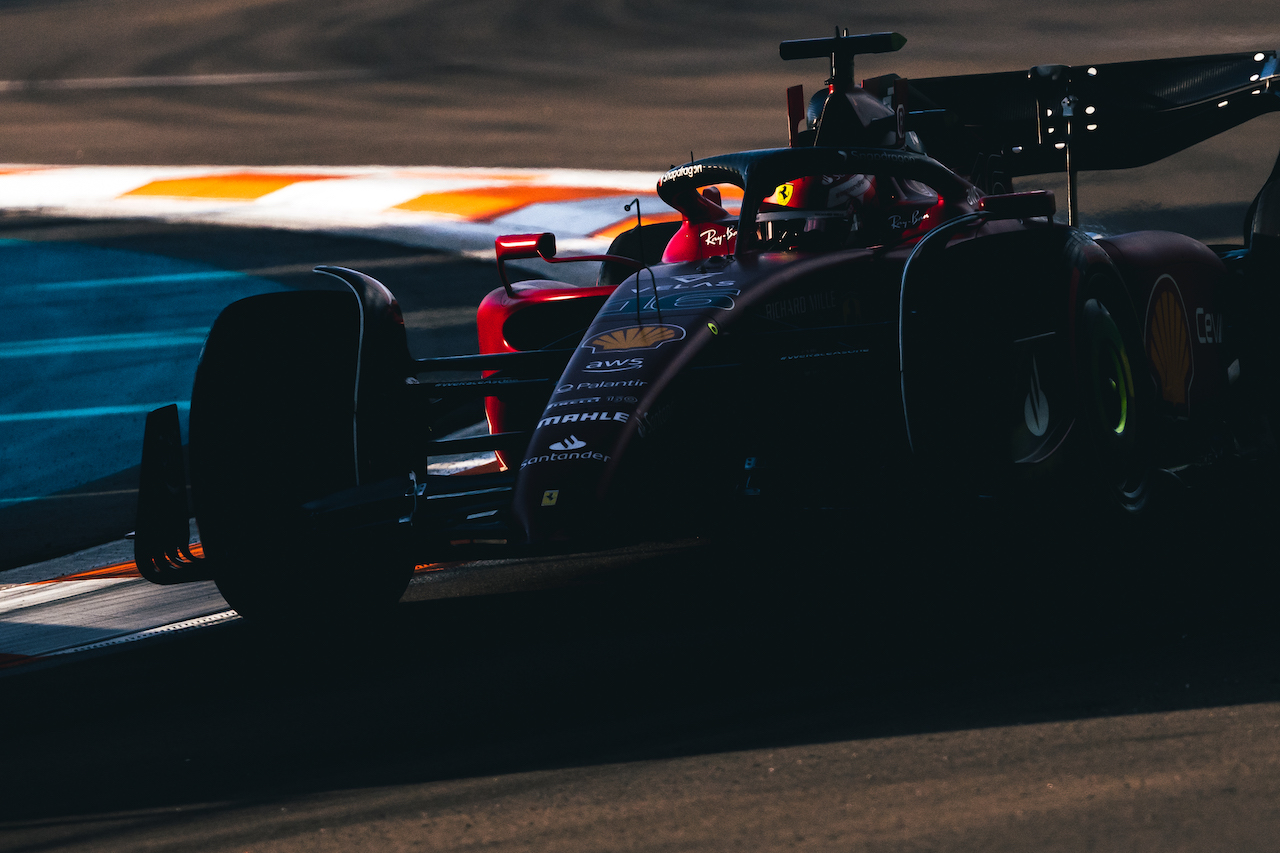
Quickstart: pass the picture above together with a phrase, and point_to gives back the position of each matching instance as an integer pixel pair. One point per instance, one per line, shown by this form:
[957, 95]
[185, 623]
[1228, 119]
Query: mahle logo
[583, 417]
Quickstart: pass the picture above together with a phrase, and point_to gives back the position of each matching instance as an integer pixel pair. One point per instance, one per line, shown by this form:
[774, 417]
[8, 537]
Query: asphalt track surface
[960, 687]
[67, 478]
[864, 685]
[881, 683]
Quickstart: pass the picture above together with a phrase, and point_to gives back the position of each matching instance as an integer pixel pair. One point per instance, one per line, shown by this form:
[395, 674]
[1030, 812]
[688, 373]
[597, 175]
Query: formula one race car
[871, 323]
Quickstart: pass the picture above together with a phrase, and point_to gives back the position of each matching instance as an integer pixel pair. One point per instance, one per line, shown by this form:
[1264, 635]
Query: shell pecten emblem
[1169, 343]
[636, 337]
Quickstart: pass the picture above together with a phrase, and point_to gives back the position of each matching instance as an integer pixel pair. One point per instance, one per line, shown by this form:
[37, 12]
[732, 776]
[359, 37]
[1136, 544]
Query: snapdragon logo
[690, 171]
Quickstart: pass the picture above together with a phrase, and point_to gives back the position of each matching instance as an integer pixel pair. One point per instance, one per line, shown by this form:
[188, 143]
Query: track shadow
[876, 629]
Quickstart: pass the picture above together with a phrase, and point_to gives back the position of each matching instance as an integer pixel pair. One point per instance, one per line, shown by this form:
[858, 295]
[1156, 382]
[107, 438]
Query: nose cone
[563, 478]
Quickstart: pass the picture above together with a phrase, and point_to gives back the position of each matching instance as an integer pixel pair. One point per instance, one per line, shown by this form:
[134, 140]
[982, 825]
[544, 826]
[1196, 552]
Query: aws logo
[613, 365]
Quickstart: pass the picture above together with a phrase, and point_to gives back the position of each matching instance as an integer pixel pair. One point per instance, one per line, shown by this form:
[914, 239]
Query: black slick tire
[272, 423]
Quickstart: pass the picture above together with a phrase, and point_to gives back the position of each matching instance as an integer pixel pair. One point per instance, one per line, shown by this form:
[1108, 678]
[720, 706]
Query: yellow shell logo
[1169, 347]
[636, 337]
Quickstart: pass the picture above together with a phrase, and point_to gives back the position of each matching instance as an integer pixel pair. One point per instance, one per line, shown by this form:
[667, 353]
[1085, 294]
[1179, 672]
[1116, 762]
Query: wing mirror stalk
[1025, 205]
[517, 246]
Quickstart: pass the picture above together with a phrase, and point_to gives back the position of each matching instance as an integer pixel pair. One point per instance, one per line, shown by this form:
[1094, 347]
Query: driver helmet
[814, 212]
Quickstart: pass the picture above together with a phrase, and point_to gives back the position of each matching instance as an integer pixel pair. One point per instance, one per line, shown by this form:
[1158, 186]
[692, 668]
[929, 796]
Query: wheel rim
[1113, 391]
[1114, 404]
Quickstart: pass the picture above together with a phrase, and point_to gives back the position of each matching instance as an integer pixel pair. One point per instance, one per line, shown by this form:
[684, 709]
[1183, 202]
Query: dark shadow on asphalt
[862, 630]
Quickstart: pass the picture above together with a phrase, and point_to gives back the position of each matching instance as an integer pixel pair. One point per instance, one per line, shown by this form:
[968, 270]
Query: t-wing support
[842, 49]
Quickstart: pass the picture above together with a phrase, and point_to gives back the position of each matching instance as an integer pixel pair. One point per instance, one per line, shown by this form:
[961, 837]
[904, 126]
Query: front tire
[272, 428]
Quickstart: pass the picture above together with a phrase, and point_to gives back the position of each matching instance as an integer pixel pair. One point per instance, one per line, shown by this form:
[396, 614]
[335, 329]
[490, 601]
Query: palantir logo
[570, 443]
[1036, 408]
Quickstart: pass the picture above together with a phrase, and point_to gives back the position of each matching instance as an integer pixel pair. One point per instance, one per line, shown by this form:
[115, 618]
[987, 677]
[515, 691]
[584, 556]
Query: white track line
[182, 80]
[365, 201]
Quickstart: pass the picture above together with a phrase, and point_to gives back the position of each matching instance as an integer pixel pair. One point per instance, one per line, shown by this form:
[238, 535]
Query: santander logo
[570, 443]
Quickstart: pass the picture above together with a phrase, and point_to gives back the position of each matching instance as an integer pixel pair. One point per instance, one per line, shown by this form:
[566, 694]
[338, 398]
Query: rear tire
[272, 427]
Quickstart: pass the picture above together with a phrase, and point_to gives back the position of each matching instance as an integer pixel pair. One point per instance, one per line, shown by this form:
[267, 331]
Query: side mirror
[515, 247]
[518, 246]
[1019, 205]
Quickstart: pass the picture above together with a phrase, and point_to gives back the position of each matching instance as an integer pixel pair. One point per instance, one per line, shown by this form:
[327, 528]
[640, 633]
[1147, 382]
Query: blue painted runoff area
[91, 339]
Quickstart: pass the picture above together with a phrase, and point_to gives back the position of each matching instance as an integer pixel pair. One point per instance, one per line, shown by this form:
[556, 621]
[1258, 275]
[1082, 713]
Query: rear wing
[1111, 116]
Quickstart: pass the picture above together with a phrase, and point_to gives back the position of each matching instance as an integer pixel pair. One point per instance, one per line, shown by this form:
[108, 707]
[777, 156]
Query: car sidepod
[1023, 371]
[691, 383]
